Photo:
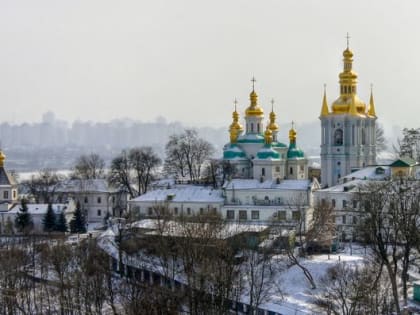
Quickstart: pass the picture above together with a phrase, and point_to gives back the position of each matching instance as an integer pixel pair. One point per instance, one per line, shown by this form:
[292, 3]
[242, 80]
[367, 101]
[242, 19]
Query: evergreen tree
[61, 224]
[49, 219]
[77, 223]
[23, 221]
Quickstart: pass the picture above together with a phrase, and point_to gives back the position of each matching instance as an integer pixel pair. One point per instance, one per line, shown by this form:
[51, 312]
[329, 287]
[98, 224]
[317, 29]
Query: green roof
[403, 162]
[233, 152]
[279, 145]
[294, 152]
[267, 152]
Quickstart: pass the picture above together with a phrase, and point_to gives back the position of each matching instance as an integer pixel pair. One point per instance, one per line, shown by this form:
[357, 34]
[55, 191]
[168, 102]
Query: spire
[292, 134]
[371, 111]
[324, 108]
[348, 102]
[235, 128]
[272, 125]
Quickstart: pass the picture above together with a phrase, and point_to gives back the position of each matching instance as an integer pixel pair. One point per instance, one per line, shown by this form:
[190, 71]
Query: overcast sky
[186, 60]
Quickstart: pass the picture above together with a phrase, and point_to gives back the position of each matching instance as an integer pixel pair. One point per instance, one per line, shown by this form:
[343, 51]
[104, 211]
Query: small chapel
[254, 152]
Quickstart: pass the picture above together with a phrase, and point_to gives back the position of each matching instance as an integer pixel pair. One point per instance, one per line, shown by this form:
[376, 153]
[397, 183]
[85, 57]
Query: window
[99, 199]
[354, 220]
[291, 171]
[14, 194]
[230, 214]
[255, 215]
[338, 137]
[277, 169]
[189, 211]
[363, 136]
[333, 203]
[252, 127]
[354, 203]
[296, 215]
[5, 194]
[258, 128]
[263, 171]
[86, 200]
[201, 210]
[243, 215]
[344, 204]
[150, 210]
[175, 210]
[99, 212]
[302, 168]
[282, 215]
[343, 219]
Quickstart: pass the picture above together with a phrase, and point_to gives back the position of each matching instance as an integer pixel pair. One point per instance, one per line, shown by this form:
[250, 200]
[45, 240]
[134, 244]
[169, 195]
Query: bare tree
[355, 289]
[120, 174]
[42, 187]
[391, 227]
[144, 162]
[381, 144]
[90, 166]
[186, 154]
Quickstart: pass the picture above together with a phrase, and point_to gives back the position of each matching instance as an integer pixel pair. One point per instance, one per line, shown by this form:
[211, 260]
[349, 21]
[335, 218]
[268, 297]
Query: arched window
[263, 171]
[258, 128]
[252, 127]
[338, 137]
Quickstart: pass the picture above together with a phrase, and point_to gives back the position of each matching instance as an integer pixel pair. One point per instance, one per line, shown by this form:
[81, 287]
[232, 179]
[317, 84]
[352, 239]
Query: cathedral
[254, 152]
[348, 136]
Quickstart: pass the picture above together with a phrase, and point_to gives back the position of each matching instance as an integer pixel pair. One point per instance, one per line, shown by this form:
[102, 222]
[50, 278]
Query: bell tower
[348, 136]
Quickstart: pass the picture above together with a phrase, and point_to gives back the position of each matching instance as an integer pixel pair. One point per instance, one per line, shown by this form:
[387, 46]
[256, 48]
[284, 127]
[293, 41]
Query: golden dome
[233, 135]
[272, 125]
[254, 109]
[235, 123]
[292, 134]
[347, 53]
[268, 136]
[348, 101]
[2, 158]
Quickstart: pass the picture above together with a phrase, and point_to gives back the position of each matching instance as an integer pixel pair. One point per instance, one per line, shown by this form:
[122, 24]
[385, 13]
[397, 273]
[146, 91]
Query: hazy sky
[187, 60]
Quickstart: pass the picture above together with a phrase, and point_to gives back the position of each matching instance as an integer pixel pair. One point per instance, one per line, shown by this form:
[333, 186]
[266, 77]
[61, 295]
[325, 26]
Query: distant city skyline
[188, 60]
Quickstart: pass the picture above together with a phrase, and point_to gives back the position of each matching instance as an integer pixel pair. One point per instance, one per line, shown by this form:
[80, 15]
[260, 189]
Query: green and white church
[254, 152]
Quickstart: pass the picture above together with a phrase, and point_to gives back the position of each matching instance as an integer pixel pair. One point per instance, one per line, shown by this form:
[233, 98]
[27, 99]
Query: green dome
[294, 152]
[267, 153]
[233, 152]
[279, 145]
[254, 138]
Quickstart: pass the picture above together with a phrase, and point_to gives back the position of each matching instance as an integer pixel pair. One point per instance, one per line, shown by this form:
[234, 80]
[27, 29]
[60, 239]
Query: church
[254, 152]
[348, 135]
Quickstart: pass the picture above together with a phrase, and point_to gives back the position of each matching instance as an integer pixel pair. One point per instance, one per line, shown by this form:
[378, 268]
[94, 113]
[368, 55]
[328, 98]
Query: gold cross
[272, 104]
[235, 102]
[348, 39]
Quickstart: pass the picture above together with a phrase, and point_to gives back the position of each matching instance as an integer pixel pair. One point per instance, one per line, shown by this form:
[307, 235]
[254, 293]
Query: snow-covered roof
[85, 185]
[187, 193]
[286, 184]
[370, 172]
[40, 208]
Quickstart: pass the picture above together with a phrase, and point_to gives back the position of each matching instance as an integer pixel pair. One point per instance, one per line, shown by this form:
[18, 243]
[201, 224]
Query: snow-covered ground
[298, 297]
